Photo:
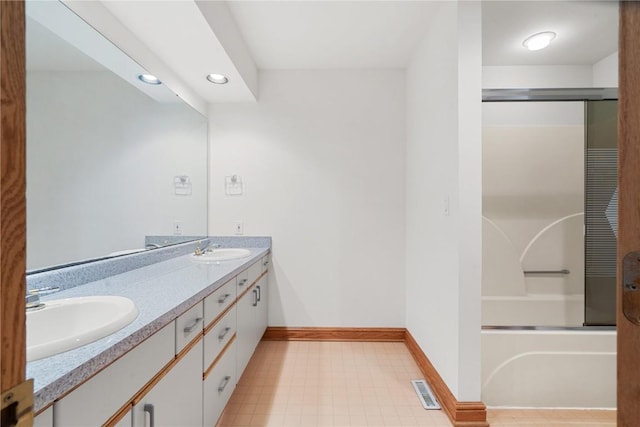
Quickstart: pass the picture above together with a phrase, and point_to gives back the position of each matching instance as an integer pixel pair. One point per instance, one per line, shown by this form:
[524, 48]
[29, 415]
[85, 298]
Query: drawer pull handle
[223, 384]
[242, 282]
[224, 333]
[148, 407]
[259, 293]
[265, 263]
[189, 328]
[255, 298]
[223, 298]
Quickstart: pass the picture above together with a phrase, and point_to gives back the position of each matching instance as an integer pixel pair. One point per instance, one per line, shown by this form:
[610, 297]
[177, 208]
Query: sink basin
[222, 255]
[70, 323]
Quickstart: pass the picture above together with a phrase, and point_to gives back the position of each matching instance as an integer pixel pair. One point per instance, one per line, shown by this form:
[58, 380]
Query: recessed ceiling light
[149, 79]
[218, 79]
[539, 41]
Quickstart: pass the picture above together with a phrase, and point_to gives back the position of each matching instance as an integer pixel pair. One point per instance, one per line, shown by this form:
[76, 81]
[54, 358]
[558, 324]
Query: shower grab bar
[531, 272]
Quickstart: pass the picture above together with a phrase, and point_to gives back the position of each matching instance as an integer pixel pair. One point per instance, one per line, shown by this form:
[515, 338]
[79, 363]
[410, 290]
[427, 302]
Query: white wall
[541, 76]
[444, 162]
[605, 71]
[322, 159]
[101, 162]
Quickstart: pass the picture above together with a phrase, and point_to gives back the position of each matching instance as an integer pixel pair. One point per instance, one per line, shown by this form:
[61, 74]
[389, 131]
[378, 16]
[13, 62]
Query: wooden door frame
[12, 194]
[628, 206]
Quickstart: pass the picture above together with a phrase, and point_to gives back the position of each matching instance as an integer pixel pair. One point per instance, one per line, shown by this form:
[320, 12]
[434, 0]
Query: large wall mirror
[110, 160]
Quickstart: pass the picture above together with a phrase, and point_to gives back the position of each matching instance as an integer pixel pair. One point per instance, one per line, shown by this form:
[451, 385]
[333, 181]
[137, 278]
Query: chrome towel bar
[531, 272]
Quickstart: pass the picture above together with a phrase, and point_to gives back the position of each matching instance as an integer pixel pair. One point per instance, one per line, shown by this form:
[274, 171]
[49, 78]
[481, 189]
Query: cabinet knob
[242, 282]
[223, 298]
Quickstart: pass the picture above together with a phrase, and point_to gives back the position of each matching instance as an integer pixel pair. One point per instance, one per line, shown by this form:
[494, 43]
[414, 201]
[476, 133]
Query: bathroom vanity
[177, 363]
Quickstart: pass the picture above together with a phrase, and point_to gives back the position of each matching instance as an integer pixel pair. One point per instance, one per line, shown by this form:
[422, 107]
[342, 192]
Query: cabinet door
[177, 398]
[44, 419]
[218, 386]
[261, 313]
[246, 312]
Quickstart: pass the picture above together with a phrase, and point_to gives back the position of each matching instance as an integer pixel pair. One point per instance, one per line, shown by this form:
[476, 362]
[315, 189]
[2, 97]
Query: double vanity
[180, 332]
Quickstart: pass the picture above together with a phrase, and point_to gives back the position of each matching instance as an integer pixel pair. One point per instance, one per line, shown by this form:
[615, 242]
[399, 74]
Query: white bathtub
[533, 310]
[549, 368]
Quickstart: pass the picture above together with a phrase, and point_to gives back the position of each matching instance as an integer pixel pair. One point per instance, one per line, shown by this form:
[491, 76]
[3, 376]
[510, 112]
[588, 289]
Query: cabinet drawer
[95, 401]
[265, 261]
[188, 326]
[219, 385]
[218, 301]
[242, 282]
[255, 270]
[218, 336]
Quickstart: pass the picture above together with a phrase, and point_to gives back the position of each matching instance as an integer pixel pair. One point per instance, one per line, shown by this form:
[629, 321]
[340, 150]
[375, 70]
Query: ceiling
[332, 34]
[587, 31]
[384, 34]
[239, 38]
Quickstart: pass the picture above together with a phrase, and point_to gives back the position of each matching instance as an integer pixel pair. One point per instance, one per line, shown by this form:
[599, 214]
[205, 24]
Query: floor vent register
[425, 394]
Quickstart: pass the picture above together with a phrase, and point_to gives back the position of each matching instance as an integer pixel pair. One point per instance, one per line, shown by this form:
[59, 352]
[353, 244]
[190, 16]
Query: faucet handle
[44, 291]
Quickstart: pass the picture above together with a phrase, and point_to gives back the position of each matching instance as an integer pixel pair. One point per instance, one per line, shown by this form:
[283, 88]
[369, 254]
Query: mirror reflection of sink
[70, 323]
[226, 254]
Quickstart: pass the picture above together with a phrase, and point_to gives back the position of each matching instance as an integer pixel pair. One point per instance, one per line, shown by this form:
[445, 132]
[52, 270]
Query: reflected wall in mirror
[110, 159]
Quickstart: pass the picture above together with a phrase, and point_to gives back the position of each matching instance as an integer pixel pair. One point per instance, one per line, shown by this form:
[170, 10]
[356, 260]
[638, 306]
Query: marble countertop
[180, 282]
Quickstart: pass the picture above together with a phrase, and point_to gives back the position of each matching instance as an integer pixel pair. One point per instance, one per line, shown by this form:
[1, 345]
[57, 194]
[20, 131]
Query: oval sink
[222, 255]
[70, 323]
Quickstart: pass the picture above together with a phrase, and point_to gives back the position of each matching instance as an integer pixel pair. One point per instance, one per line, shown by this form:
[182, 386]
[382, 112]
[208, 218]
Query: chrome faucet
[32, 299]
[207, 248]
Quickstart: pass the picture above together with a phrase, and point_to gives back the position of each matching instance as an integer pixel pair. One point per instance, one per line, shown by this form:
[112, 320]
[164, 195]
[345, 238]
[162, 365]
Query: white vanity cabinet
[97, 400]
[184, 374]
[176, 400]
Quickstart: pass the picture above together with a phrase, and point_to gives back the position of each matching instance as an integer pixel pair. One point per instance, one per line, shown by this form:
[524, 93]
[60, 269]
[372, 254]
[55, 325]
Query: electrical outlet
[238, 227]
[177, 228]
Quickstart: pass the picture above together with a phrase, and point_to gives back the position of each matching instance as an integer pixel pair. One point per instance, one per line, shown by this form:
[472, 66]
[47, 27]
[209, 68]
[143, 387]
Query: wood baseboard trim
[461, 414]
[274, 333]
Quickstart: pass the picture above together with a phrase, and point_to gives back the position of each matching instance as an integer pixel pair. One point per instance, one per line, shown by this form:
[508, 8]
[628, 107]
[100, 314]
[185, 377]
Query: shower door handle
[631, 287]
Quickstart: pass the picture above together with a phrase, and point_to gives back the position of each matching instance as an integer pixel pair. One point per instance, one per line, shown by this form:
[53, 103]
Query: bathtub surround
[549, 368]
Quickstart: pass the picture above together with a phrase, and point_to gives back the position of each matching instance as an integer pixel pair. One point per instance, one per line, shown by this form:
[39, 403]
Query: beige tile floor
[327, 384]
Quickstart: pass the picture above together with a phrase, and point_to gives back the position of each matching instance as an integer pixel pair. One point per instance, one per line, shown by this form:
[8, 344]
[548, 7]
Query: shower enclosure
[549, 248]
[549, 213]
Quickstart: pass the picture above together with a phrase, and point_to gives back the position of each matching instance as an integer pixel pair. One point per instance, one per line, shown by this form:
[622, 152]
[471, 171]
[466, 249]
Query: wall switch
[238, 227]
[177, 228]
[445, 206]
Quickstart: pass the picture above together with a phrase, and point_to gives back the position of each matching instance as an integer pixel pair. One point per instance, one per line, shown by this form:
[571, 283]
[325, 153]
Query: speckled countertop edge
[181, 282]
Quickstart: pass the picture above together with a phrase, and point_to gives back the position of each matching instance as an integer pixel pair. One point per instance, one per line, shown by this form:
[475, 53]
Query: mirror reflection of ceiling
[48, 52]
[103, 148]
[58, 40]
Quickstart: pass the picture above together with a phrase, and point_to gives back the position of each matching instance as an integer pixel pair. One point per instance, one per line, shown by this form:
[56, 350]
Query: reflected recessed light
[218, 79]
[539, 41]
[149, 79]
